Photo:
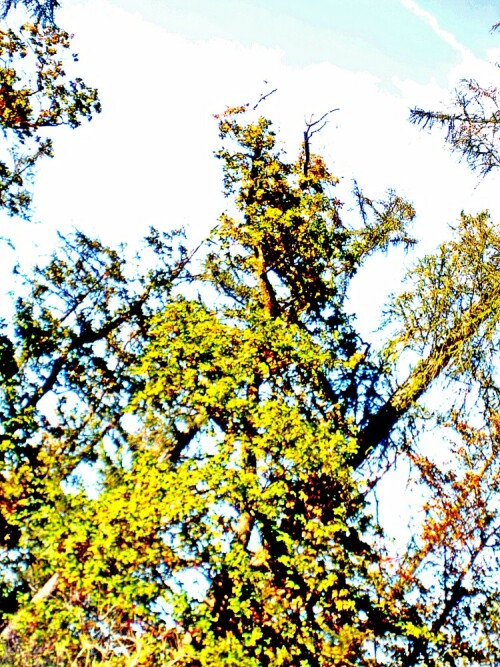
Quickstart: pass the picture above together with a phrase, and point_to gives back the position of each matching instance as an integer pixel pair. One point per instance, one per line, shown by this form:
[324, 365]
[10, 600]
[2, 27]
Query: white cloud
[446, 36]
[470, 65]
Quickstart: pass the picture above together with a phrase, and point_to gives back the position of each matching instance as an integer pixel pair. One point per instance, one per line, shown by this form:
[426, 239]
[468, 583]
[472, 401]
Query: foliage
[235, 428]
[36, 94]
[472, 123]
[41, 10]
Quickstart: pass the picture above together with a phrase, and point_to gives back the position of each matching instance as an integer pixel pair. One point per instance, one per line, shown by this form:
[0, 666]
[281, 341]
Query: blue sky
[381, 36]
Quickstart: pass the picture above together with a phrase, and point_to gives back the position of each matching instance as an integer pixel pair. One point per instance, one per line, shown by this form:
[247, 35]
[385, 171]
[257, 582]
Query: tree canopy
[192, 442]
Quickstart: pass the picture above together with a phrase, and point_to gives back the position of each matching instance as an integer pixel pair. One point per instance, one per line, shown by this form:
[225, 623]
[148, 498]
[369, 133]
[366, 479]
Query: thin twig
[264, 97]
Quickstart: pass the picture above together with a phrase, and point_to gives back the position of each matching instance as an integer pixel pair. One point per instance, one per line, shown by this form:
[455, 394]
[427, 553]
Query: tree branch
[379, 426]
[312, 127]
[42, 594]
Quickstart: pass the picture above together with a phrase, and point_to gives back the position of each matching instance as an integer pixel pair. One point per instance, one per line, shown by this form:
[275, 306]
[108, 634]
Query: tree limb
[42, 594]
[379, 426]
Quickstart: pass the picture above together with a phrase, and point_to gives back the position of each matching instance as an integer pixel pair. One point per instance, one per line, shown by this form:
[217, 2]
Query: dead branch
[312, 128]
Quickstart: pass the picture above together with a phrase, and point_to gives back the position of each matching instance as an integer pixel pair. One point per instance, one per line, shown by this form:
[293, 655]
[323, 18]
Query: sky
[165, 67]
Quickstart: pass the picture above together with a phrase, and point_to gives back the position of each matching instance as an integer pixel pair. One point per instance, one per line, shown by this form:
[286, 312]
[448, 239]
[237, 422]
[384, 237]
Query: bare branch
[312, 128]
[264, 97]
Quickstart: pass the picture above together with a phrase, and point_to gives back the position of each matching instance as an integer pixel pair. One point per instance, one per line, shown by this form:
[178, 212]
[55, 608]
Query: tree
[36, 94]
[237, 427]
[472, 124]
[43, 11]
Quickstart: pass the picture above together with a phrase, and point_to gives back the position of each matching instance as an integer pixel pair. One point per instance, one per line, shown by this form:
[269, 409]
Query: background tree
[472, 123]
[236, 427]
[36, 94]
[43, 11]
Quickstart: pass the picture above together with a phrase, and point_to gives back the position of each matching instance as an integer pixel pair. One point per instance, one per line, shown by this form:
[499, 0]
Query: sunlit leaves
[35, 94]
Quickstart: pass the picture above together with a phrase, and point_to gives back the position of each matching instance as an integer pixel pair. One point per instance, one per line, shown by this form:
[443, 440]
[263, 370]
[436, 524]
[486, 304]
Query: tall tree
[236, 427]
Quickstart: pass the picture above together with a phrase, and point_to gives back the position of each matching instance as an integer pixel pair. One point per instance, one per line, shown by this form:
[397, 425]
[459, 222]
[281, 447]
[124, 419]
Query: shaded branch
[471, 127]
[41, 10]
[312, 128]
[381, 424]
[89, 336]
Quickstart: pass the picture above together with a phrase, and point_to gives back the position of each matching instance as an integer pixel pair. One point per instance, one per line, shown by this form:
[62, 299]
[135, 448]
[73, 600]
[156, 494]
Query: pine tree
[472, 123]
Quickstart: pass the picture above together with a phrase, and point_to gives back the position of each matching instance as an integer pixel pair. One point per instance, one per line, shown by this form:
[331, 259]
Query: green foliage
[35, 94]
[235, 426]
